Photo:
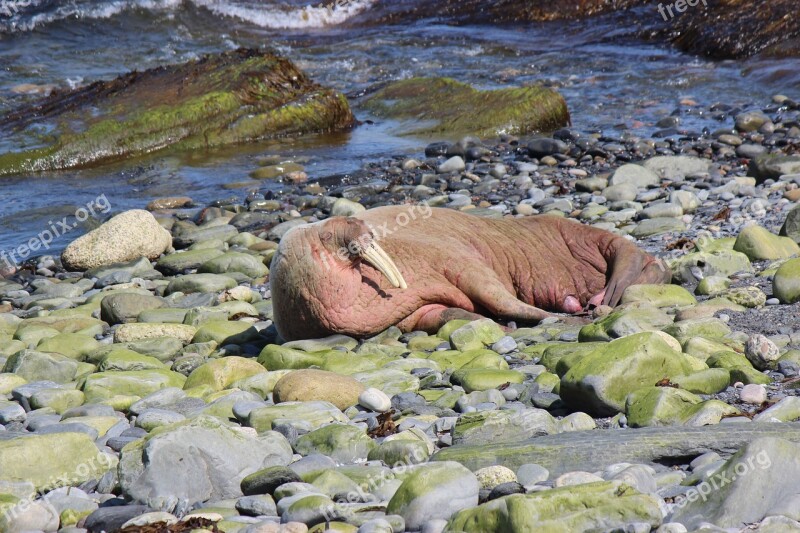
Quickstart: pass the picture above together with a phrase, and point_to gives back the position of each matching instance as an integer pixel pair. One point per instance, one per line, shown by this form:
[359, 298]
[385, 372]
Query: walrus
[418, 267]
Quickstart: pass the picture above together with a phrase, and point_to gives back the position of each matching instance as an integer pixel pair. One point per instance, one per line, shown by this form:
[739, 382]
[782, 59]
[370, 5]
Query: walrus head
[316, 270]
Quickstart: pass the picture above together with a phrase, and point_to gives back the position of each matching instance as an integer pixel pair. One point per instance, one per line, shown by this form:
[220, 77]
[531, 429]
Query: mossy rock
[305, 416]
[274, 357]
[73, 345]
[658, 295]
[60, 458]
[601, 381]
[250, 265]
[786, 283]
[758, 243]
[222, 99]
[106, 385]
[478, 379]
[341, 442]
[226, 332]
[709, 381]
[444, 105]
[658, 406]
[625, 322]
[721, 262]
[220, 373]
[122, 360]
[600, 506]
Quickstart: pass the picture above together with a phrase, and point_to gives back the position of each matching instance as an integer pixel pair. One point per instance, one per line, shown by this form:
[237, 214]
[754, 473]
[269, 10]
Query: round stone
[375, 400]
[309, 385]
[492, 476]
[754, 394]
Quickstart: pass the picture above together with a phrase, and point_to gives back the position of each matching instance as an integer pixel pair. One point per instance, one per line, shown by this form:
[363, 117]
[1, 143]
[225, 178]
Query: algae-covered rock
[623, 323]
[601, 381]
[306, 416]
[666, 406]
[475, 335]
[106, 385]
[220, 373]
[786, 283]
[229, 98]
[434, 491]
[658, 295]
[341, 442]
[720, 262]
[419, 102]
[60, 459]
[759, 243]
[599, 506]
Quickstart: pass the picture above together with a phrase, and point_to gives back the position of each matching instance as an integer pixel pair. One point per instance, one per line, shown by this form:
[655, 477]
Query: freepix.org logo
[12, 258]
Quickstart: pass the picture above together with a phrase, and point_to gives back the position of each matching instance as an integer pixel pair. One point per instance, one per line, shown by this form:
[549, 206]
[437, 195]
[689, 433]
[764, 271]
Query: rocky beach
[144, 386]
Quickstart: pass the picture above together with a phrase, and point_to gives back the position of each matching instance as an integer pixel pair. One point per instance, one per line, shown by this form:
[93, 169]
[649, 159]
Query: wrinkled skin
[455, 265]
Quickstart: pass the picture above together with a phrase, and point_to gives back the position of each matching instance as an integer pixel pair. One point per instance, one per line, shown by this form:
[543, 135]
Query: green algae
[444, 105]
[224, 99]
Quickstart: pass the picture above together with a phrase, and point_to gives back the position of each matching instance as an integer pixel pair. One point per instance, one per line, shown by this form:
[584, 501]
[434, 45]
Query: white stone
[375, 400]
[754, 394]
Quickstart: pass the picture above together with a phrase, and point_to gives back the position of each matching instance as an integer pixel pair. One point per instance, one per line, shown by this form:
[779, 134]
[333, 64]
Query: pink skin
[456, 266]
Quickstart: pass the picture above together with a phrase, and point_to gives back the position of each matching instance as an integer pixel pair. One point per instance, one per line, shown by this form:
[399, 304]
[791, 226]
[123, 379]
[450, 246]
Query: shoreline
[182, 349]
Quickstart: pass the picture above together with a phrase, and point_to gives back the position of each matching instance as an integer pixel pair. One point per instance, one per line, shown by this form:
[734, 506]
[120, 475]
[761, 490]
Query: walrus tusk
[378, 258]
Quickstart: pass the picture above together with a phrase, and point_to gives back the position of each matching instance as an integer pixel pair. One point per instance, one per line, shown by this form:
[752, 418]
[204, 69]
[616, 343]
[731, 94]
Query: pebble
[753, 394]
[375, 400]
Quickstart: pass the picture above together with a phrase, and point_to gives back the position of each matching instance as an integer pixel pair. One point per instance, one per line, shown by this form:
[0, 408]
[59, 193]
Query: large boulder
[444, 105]
[601, 381]
[758, 243]
[128, 236]
[178, 466]
[229, 98]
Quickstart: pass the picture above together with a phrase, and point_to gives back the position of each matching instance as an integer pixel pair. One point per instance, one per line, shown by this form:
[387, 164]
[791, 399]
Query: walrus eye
[326, 236]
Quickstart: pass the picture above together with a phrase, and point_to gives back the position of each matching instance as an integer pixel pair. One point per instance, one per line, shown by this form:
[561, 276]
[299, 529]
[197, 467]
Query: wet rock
[212, 104]
[484, 113]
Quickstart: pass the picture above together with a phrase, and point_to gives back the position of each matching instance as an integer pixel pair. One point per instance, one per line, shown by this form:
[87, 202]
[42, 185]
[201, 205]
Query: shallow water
[612, 83]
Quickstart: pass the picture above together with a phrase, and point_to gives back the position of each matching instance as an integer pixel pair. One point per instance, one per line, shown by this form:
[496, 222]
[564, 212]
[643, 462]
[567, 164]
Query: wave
[26, 15]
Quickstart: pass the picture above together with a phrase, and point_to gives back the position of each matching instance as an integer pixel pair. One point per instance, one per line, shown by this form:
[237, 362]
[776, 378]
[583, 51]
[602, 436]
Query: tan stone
[128, 236]
[309, 384]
